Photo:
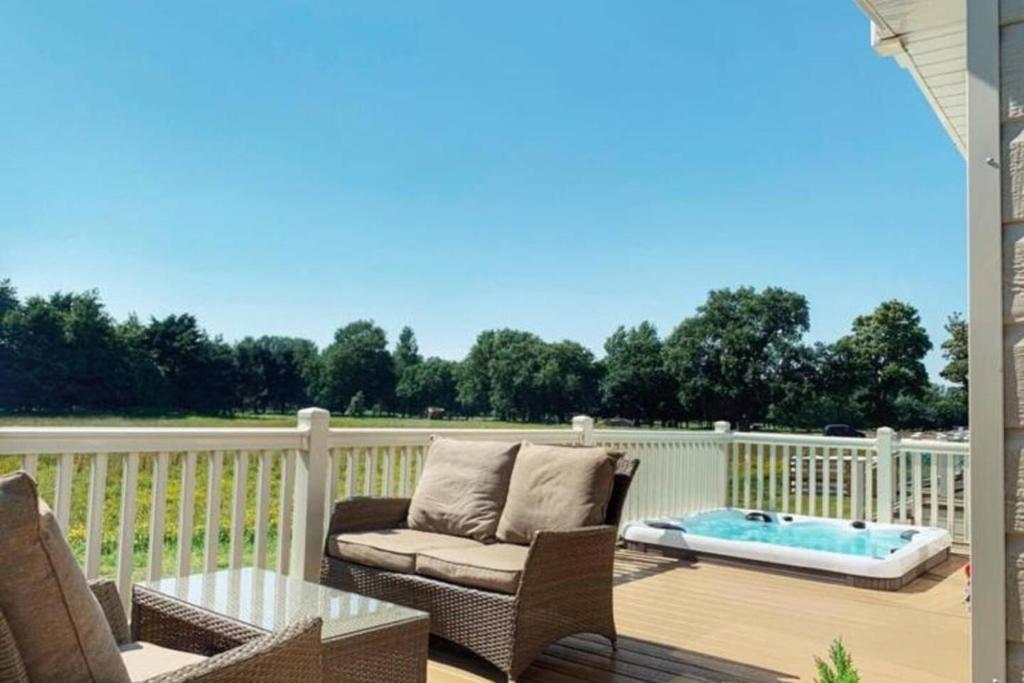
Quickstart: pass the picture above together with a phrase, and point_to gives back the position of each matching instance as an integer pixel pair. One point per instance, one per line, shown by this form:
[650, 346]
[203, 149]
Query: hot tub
[865, 554]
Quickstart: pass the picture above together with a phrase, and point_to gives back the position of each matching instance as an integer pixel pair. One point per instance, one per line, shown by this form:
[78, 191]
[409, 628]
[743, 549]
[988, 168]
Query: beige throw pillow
[56, 621]
[556, 487]
[463, 488]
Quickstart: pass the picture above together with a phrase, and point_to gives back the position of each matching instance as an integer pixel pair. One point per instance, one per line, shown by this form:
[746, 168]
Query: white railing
[240, 497]
[881, 479]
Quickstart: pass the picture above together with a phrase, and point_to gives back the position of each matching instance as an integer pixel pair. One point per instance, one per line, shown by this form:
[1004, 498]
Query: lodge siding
[1011, 59]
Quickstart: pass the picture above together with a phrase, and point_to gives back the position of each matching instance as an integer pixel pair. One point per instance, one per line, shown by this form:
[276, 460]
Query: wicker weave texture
[12, 668]
[566, 585]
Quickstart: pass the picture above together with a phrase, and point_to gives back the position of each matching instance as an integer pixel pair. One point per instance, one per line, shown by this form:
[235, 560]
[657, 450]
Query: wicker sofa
[56, 626]
[507, 608]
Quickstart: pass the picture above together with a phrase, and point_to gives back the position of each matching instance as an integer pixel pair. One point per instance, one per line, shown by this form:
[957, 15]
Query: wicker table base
[364, 640]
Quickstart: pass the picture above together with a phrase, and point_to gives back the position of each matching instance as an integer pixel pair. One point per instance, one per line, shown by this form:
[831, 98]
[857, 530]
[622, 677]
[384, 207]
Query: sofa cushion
[145, 660]
[463, 488]
[392, 549]
[45, 597]
[556, 487]
[494, 567]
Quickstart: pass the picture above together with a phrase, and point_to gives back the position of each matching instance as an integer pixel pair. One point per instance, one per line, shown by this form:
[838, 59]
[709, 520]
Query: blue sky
[456, 166]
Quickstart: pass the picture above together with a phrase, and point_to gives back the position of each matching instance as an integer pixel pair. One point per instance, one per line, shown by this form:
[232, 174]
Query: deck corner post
[583, 425]
[884, 440]
[310, 495]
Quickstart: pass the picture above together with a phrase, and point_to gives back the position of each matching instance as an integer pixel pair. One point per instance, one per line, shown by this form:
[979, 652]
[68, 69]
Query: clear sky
[561, 167]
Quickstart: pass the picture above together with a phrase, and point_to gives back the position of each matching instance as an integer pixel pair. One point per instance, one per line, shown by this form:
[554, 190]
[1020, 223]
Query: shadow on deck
[704, 622]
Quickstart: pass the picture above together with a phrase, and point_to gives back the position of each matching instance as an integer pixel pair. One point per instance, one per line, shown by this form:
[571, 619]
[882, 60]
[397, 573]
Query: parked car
[842, 430]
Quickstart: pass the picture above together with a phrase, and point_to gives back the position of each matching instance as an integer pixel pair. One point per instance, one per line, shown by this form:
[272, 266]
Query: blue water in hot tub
[831, 536]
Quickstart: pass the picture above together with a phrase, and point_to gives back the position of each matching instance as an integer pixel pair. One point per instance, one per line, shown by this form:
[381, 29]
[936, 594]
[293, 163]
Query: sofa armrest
[106, 594]
[568, 562]
[179, 625]
[292, 654]
[368, 514]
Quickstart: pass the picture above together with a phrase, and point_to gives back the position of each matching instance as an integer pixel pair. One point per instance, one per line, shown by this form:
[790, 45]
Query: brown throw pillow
[556, 487]
[55, 619]
[463, 488]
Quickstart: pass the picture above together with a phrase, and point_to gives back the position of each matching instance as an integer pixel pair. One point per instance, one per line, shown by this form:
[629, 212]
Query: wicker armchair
[565, 586]
[236, 652]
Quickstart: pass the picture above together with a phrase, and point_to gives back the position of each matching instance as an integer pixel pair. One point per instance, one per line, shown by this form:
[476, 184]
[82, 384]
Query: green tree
[357, 360]
[512, 375]
[954, 350]
[407, 361]
[568, 378]
[882, 359]
[9, 305]
[273, 372]
[64, 354]
[432, 383]
[635, 383]
[200, 370]
[740, 355]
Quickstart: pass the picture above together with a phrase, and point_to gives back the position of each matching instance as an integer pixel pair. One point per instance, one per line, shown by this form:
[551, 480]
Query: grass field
[47, 468]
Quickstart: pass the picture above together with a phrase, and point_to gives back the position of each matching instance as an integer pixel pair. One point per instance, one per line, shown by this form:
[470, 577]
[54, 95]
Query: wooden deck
[698, 622]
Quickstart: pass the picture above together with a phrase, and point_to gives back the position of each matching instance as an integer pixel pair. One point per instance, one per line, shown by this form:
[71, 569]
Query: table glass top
[271, 601]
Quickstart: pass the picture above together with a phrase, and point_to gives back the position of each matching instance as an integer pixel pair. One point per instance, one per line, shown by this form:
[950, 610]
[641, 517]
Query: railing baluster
[870, 458]
[284, 521]
[370, 473]
[812, 483]
[966, 464]
[799, 480]
[386, 474]
[186, 513]
[748, 472]
[332, 486]
[855, 479]
[30, 465]
[94, 520]
[785, 478]
[126, 534]
[772, 466]
[759, 461]
[826, 481]
[933, 459]
[266, 466]
[212, 538]
[901, 460]
[916, 487]
[157, 514]
[350, 472]
[238, 509]
[734, 455]
[404, 470]
[62, 495]
[840, 482]
[950, 494]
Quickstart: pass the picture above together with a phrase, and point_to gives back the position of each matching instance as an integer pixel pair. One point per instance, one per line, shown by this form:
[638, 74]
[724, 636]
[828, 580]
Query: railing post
[883, 489]
[584, 425]
[309, 501]
[723, 427]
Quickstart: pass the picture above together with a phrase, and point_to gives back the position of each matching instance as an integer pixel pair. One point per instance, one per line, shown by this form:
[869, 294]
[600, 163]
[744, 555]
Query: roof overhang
[927, 38]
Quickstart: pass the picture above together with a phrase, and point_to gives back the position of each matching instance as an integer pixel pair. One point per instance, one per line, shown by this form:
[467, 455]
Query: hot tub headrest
[664, 524]
[909, 534]
[759, 517]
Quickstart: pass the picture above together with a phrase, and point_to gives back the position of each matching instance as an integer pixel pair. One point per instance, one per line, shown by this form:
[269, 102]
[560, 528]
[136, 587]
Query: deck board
[704, 622]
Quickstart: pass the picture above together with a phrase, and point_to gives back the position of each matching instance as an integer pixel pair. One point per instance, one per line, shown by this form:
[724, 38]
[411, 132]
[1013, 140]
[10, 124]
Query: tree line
[741, 357]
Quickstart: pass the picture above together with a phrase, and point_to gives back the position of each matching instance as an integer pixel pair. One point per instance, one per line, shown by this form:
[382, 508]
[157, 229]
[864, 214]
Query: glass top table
[272, 601]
